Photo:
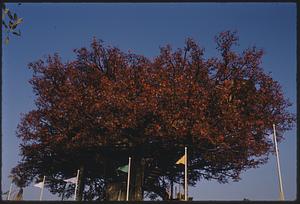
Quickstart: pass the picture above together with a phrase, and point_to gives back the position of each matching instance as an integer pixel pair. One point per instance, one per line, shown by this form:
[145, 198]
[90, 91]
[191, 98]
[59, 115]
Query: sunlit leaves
[10, 22]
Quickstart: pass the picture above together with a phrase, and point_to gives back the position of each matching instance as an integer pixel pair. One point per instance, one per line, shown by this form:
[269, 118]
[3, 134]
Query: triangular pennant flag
[181, 160]
[39, 185]
[71, 180]
[123, 168]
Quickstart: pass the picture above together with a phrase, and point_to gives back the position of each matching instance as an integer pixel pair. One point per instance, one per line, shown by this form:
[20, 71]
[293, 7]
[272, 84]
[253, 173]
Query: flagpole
[128, 179]
[185, 176]
[76, 185]
[42, 189]
[9, 192]
[119, 195]
[281, 195]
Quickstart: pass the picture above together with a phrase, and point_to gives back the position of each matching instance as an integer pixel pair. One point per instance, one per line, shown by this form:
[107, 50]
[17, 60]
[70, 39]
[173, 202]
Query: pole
[119, 195]
[281, 195]
[185, 176]
[76, 185]
[9, 192]
[42, 189]
[128, 179]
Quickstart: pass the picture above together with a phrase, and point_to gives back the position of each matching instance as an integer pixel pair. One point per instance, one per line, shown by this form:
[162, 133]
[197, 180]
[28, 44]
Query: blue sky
[143, 28]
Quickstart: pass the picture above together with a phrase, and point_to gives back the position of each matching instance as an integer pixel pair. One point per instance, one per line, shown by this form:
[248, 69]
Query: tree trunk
[116, 191]
[80, 184]
[136, 179]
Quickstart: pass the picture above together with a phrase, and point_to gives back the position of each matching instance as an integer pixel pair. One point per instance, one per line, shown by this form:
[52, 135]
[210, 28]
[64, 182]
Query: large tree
[94, 112]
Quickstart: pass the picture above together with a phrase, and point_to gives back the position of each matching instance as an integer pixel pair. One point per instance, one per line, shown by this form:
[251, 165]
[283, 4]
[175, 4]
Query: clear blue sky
[50, 28]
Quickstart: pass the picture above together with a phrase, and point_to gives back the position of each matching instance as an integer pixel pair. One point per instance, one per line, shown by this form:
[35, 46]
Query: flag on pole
[76, 184]
[74, 180]
[39, 185]
[123, 168]
[71, 180]
[181, 160]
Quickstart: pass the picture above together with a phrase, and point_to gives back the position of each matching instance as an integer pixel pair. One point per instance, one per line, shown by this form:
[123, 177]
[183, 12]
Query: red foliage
[222, 108]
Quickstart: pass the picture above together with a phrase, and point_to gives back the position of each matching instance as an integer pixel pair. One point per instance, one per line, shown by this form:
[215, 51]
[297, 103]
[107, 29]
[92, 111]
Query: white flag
[71, 180]
[39, 185]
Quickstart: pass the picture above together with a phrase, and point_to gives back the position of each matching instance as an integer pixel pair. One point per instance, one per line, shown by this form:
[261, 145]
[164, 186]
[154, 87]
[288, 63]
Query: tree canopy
[106, 105]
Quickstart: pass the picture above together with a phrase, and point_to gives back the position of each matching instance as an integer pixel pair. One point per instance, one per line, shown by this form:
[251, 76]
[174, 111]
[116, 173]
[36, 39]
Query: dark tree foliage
[106, 105]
